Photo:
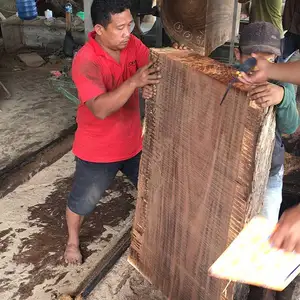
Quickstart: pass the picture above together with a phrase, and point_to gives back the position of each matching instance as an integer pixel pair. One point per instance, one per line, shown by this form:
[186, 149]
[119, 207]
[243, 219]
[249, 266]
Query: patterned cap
[260, 37]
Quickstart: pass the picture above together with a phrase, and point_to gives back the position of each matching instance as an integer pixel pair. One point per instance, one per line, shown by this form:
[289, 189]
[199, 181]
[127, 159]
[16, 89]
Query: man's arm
[287, 115]
[110, 102]
[92, 93]
[287, 72]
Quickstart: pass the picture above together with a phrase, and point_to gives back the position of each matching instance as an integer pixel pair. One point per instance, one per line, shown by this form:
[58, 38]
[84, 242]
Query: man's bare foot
[72, 255]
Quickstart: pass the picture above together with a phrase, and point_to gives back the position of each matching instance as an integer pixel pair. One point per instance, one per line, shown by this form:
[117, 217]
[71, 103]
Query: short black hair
[102, 10]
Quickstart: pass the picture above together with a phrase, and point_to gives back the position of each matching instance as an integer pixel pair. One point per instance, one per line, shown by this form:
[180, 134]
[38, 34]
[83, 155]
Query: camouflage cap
[260, 37]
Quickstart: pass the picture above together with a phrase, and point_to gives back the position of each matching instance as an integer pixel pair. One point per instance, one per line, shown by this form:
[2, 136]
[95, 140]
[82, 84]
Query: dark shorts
[92, 179]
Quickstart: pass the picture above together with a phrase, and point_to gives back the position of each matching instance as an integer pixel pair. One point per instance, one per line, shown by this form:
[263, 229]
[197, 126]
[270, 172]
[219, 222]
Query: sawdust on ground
[33, 233]
[123, 282]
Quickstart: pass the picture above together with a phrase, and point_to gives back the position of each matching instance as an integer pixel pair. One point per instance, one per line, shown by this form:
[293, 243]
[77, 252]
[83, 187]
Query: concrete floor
[34, 116]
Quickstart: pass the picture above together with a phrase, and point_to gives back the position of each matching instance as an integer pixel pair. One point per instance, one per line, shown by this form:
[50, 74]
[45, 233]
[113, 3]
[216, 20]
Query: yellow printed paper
[251, 259]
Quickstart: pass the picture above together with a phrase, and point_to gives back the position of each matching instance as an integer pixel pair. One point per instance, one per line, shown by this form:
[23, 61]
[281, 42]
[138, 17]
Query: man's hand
[145, 76]
[261, 74]
[178, 46]
[266, 94]
[147, 92]
[287, 234]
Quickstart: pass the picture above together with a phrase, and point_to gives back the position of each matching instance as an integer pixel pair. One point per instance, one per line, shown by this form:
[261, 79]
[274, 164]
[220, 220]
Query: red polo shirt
[95, 72]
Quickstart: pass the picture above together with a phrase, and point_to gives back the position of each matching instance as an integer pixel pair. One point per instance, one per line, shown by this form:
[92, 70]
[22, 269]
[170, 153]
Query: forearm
[110, 102]
[287, 72]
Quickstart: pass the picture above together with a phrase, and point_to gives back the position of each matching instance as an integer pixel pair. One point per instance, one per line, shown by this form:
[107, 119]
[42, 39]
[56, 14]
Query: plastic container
[69, 8]
[80, 15]
[48, 14]
[27, 9]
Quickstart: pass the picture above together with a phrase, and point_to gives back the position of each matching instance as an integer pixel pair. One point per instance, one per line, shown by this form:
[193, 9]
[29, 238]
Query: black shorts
[92, 179]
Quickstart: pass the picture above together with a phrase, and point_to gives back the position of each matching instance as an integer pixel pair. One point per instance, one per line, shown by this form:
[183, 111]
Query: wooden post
[88, 25]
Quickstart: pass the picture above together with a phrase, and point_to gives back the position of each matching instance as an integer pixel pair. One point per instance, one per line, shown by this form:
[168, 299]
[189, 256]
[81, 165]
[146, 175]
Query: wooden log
[202, 25]
[203, 174]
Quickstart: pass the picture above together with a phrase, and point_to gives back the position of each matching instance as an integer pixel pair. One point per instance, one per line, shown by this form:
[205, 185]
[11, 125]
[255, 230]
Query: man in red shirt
[107, 72]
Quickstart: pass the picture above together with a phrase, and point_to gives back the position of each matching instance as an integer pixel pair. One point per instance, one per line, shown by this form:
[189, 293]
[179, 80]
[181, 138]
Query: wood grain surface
[202, 25]
[203, 174]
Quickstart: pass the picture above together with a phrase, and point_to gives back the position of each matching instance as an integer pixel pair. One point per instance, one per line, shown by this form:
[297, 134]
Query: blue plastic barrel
[27, 9]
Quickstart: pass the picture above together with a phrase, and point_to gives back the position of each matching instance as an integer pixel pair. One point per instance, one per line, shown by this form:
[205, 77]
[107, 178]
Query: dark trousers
[92, 179]
[291, 43]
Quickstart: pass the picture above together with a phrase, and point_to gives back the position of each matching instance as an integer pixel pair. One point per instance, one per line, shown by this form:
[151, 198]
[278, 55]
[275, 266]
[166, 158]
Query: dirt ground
[123, 282]
[33, 233]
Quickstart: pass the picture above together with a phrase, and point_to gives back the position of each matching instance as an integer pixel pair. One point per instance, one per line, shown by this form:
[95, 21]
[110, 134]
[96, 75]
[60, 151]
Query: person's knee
[85, 203]
[90, 182]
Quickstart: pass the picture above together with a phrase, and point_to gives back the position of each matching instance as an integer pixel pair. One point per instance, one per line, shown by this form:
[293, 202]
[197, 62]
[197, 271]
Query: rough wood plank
[203, 174]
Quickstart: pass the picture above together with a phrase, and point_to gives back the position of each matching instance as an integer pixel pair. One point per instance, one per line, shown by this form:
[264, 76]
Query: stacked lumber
[203, 174]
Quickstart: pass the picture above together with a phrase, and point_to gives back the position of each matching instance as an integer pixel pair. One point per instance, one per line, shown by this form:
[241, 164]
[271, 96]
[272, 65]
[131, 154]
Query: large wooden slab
[203, 174]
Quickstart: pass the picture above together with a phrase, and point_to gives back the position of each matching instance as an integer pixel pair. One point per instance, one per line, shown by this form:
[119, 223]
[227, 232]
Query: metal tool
[245, 67]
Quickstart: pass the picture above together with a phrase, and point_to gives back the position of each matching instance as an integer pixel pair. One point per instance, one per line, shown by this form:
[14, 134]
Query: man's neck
[115, 54]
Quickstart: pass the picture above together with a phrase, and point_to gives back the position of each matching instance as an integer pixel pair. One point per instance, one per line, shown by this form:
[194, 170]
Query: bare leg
[72, 253]
[90, 182]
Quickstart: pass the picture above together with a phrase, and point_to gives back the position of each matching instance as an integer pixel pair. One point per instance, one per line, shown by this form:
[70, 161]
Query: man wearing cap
[263, 39]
